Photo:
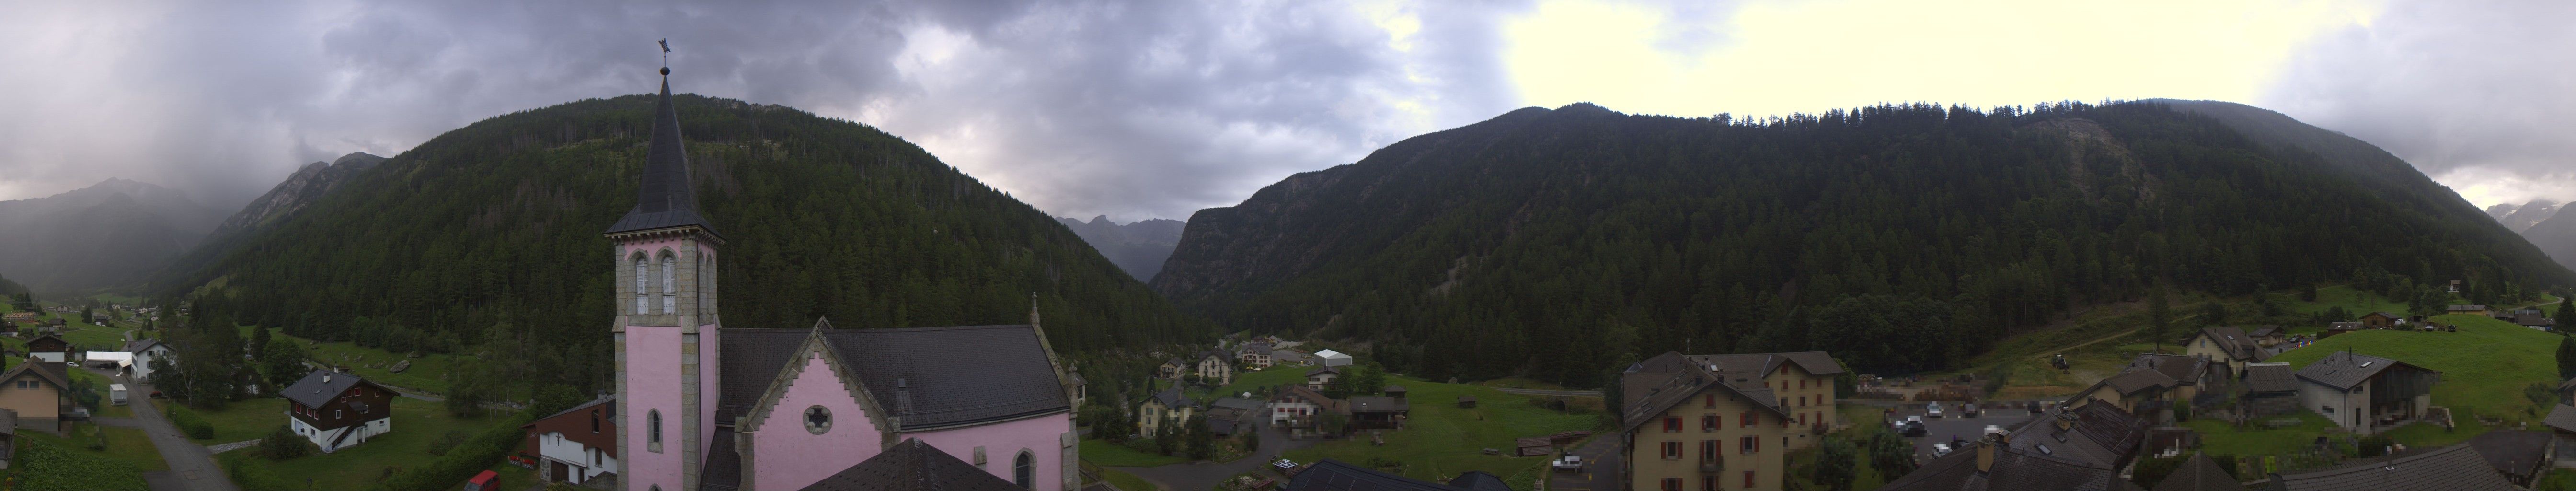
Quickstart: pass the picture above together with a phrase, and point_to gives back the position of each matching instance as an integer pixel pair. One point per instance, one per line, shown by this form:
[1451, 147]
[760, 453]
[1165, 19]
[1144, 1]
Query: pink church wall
[652, 375]
[1041, 436]
[710, 375]
[786, 456]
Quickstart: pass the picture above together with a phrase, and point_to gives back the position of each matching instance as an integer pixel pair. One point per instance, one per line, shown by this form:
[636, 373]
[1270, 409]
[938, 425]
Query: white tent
[1334, 358]
[122, 359]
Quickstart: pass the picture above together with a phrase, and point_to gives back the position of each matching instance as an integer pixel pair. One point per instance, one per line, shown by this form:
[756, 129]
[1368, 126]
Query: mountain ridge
[109, 234]
[1137, 247]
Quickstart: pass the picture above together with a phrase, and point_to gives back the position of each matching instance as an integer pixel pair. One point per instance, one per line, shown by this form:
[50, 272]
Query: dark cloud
[2479, 95]
[1134, 109]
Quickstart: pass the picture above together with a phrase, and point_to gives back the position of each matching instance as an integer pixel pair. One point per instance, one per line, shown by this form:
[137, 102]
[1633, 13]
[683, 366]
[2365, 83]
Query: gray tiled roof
[1814, 362]
[665, 200]
[137, 346]
[1172, 399]
[1237, 403]
[2232, 340]
[313, 391]
[2452, 468]
[2270, 377]
[1479, 481]
[2183, 369]
[913, 466]
[2200, 474]
[2101, 435]
[2512, 452]
[1334, 475]
[949, 375]
[2012, 471]
[2561, 418]
[1658, 383]
[2344, 369]
[2138, 381]
[1377, 404]
[723, 469]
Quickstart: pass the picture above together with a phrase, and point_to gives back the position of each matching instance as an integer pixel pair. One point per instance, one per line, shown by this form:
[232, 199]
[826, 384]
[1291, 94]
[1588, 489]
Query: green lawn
[1112, 454]
[423, 376]
[2426, 435]
[1257, 382]
[2355, 302]
[123, 444]
[1127, 482]
[1441, 440]
[417, 426]
[2484, 366]
[2219, 438]
[251, 419]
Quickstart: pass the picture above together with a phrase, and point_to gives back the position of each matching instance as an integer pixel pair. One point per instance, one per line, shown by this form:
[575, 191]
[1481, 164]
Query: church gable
[801, 381]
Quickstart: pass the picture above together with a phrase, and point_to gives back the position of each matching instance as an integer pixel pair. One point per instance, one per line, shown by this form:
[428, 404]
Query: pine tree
[2566, 357]
[2159, 316]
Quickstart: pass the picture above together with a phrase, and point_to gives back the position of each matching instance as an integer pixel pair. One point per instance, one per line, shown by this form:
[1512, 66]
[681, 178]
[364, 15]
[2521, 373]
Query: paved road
[1601, 469]
[192, 467]
[1202, 475]
[1558, 393]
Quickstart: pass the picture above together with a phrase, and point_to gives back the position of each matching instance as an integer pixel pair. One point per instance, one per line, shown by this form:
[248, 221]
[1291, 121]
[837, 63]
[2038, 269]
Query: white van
[116, 394]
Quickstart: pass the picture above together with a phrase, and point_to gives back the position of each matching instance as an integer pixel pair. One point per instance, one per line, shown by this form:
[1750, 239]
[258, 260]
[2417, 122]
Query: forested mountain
[1138, 247]
[300, 189]
[113, 233]
[491, 234]
[1555, 243]
[2521, 217]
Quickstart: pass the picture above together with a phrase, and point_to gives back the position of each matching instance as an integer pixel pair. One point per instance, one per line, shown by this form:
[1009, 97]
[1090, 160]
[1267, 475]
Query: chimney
[326, 377]
[1986, 456]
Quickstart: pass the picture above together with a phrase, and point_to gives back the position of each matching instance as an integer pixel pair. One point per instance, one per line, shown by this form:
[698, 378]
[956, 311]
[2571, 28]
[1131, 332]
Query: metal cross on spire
[666, 57]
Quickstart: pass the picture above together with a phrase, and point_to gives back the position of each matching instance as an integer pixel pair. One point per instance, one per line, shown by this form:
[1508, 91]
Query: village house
[49, 348]
[1166, 411]
[2267, 336]
[2366, 394]
[2227, 344]
[1230, 416]
[2466, 309]
[1253, 356]
[575, 445]
[707, 407]
[145, 352]
[1215, 367]
[2452, 468]
[338, 410]
[39, 393]
[1378, 412]
[2271, 389]
[2082, 447]
[2533, 319]
[2152, 383]
[1721, 421]
[1322, 377]
[1300, 410]
[1173, 368]
[2381, 320]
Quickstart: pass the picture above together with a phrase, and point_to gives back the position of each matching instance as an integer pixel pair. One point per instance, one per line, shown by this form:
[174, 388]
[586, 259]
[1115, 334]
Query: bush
[285, 444]
[188, 422]
[463, 461]
[45, 467]
[448, 440]
[251, 475]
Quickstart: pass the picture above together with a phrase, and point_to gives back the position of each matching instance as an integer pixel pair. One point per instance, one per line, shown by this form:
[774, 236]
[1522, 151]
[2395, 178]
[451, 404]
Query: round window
[818, 419]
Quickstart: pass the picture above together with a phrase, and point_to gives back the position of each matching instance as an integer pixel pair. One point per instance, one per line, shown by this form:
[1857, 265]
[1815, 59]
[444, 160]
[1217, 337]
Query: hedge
[188, 422]
[249, 474]
[45, 467]
[464, 461]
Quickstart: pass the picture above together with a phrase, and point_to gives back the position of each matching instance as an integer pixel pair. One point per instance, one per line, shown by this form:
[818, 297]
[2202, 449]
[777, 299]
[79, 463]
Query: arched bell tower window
[643, 279]
[670, 278]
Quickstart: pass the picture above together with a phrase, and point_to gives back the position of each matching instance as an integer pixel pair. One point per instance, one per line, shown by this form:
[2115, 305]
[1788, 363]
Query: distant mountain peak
[307, 184]
[1137, 247]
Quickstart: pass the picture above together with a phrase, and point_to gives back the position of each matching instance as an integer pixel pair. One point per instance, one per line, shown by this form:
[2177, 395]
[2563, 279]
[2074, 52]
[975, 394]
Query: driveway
[1600, 467]
[192, 467]
[1941, 430]
[1196, 476]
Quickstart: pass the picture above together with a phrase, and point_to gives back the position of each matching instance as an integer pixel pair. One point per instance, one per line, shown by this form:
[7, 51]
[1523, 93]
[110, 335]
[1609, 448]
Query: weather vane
[666, 56]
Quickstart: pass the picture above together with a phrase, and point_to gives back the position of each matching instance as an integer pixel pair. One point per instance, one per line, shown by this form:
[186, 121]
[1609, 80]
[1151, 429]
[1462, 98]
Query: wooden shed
[1466, 401]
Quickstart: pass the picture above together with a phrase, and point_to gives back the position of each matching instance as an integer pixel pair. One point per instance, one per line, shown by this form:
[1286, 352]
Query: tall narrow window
[653, 426]
[670, 298]
[643, 279]
[594, 422]
[1024, 470]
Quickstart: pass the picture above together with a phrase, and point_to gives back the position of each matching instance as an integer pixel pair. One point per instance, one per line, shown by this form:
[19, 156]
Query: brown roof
[2270, 377]
[1659, 383]
[2200, 474]
[2452, 468]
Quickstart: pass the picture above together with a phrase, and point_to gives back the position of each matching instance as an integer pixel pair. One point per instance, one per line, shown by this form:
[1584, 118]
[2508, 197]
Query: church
[707, 407]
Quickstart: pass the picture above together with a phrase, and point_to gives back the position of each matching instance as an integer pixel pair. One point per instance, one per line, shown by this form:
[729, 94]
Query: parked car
[1932, 410]
[1570, 463]
[1284, 465]
[1968, 410]
[1940, 449]
[1912, 428]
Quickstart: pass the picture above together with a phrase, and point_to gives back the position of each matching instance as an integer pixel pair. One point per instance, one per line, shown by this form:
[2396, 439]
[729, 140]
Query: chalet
[914, 466]
[1392, 390]
[38, 393]
[2083, 447]
[1215, 367]
[1173, 368]
[1334, 475]
[49, 348]
[1332, 358]
[2467, 309]
[2366, 394]
[576, 445]
[2455, 467]
[2266, 336]
[2152, 383]
[1253, 356]
[2271, 389]
[2533, 319]
[2381, 320]
[2334, 328]
[1300, 410]
[1378, 413]
[1322, 377]
[145, 352]
[1750, 411]
[338, 410]
[2521, 456]
[2228, 344]
[1231, 416]
[1167, 410]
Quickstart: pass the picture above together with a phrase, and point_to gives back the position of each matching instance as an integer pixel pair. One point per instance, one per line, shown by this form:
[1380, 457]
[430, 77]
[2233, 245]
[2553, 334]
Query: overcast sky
[1155, 109]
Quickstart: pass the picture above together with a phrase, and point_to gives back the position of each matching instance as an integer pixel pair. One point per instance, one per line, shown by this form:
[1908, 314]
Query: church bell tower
[666, 334]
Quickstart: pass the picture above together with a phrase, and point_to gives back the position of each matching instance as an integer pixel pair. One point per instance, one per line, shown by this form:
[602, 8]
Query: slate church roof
[930, 376]
[913, 466]
[666, 200]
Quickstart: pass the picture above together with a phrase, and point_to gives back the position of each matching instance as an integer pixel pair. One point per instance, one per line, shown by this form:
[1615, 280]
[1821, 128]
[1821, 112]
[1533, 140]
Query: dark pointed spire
[666, 200]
